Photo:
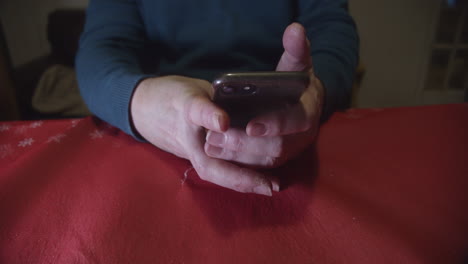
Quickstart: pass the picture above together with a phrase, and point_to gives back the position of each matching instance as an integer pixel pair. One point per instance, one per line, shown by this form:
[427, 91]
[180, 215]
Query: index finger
[201, 111]
[231, 176]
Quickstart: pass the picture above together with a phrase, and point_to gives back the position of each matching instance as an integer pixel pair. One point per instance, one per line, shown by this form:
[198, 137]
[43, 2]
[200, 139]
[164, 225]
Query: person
[145, 66]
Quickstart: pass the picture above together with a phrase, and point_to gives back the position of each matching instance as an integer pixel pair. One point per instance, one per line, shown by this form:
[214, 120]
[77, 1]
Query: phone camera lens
[228, 90]
[248, 89]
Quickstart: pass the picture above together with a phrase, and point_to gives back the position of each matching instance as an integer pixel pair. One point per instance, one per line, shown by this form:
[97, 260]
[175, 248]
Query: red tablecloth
[380, 186]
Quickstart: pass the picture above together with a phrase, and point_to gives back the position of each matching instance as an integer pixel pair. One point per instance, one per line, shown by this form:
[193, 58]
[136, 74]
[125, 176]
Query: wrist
[135, 103]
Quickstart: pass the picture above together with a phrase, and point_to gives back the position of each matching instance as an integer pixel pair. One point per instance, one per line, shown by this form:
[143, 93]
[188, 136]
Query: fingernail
[263, 189]
[217, 121]
[258, 129]
[275, 186]
[214, 151]
[215, 138]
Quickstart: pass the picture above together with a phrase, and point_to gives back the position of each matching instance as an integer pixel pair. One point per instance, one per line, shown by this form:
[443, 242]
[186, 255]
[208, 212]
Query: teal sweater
[125, 41]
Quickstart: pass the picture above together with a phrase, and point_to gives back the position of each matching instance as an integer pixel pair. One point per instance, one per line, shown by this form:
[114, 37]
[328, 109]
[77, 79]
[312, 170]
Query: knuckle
[235, 142]
[227, 155]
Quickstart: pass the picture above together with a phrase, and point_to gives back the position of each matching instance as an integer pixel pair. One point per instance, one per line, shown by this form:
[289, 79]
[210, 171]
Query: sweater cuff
[123, 88]
[336, 82]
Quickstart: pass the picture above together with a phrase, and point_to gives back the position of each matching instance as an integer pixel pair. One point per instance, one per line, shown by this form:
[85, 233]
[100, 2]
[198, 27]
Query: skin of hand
[272, 139]
[174, 113]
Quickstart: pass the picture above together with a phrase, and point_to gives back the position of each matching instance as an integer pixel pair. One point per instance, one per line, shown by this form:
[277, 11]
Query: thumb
[296, 55]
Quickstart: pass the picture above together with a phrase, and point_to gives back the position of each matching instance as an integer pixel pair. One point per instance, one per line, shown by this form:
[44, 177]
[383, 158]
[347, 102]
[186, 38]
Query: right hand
[173, 113]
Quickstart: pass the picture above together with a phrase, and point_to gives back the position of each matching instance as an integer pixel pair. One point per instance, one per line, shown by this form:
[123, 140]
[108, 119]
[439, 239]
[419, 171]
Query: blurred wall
[24, 24]
[395, 41]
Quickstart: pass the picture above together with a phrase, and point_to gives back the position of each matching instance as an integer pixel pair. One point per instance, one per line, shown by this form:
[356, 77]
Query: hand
[172, 113]
[276, 137]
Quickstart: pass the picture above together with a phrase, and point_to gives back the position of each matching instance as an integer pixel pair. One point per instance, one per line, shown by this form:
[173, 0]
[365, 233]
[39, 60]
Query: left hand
[272, 139]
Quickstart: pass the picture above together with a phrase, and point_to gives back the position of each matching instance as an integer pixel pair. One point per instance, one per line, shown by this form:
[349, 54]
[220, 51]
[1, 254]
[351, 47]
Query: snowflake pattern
[5, 151]
[26, 142]
[36, 124]
[57, 138]
[96, 134]
[4, 127]
[75, 122]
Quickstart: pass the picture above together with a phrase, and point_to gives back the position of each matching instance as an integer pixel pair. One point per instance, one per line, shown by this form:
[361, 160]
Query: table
[379, 186]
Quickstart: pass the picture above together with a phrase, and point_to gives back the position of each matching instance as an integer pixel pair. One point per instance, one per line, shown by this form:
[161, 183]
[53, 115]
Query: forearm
[107, 63]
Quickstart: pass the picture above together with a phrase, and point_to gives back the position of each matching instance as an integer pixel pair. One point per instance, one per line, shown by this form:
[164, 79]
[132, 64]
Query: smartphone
[244, 95]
